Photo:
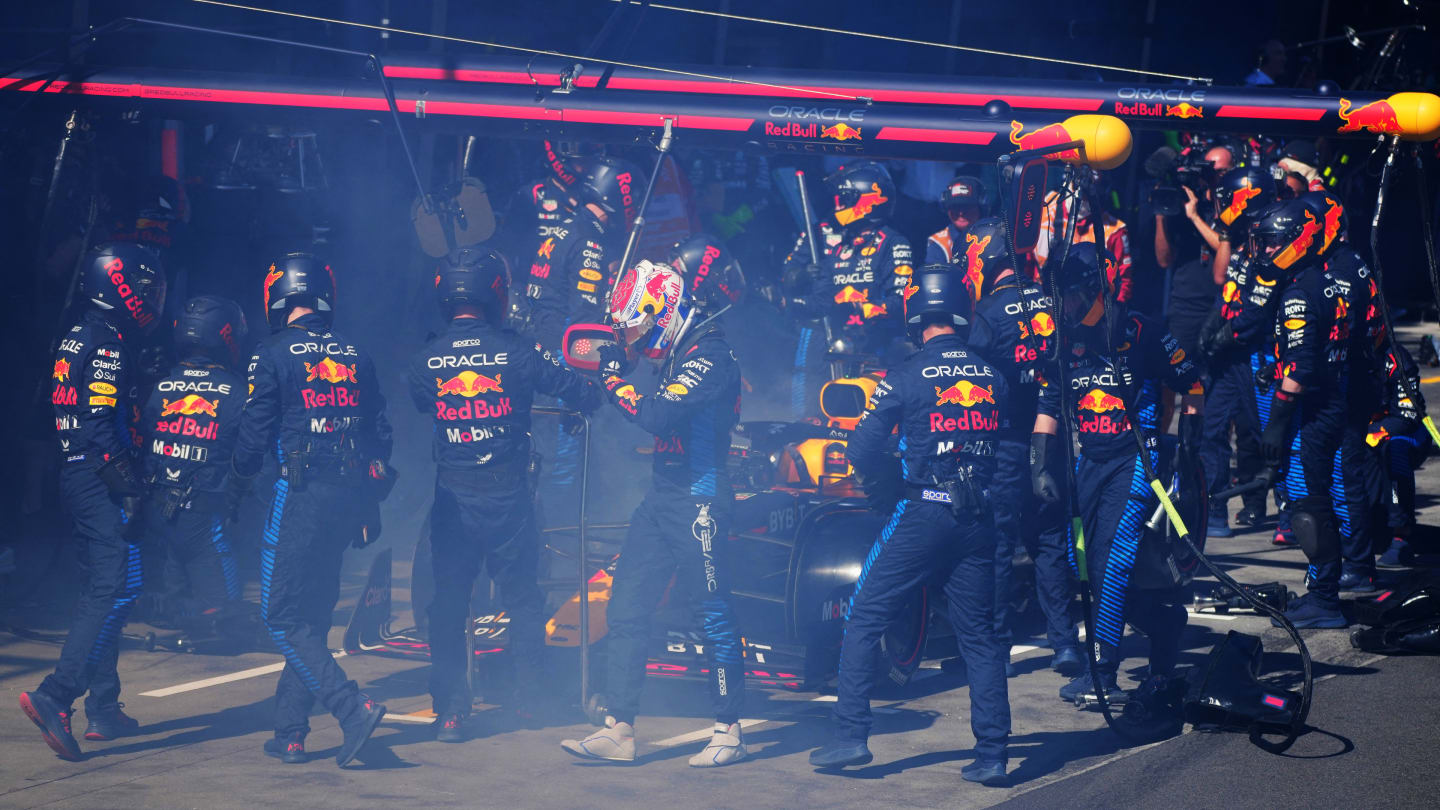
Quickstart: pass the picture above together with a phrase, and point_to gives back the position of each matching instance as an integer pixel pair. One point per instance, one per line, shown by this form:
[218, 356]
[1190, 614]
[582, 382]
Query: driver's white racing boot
[614, 743]
[725, 748]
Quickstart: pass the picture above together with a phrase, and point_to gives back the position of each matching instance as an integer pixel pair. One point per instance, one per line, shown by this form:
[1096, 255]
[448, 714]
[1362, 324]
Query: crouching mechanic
[950, 407]
[189, 426]
[93, 391]
[478, 381]
[316, 403]
[1114, 368]
[682, 526]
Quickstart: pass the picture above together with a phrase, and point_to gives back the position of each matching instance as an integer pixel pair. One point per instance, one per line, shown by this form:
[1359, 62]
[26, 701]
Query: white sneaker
[725, 748]
[615, 743]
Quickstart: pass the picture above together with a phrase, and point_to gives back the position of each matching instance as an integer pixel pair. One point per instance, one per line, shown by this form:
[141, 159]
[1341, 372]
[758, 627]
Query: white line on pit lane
[1214, 617]
[243, 674]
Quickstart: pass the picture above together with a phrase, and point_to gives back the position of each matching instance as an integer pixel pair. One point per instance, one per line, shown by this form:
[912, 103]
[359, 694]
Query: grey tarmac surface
[200, 748]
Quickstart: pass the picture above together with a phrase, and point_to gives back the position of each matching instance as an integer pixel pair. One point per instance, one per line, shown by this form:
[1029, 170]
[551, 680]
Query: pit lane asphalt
[1376, 721]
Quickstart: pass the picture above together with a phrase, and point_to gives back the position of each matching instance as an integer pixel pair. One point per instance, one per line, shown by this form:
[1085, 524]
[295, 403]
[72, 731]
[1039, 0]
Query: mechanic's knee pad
[1317, 534]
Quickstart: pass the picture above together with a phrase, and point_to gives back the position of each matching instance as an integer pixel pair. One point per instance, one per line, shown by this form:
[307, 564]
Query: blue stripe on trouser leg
[1120, 561]
[267, 579]
[799, 377]
[120, 608]
[727, 670]
[885, 535]
[227, 559]
[1337, 497]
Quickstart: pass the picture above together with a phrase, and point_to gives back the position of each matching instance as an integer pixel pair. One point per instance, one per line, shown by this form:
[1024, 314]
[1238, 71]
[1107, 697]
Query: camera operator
[1187, 249]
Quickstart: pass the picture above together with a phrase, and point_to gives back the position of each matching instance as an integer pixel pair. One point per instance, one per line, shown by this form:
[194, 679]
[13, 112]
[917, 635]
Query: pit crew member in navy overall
[189, 427]
[1012, 330]
[950, 408]
[858, 286]
[1115, 366]
[1230, 396]
[1310, 410]
[315, 402]
[681, 528]
[477, 381]
[93, 392]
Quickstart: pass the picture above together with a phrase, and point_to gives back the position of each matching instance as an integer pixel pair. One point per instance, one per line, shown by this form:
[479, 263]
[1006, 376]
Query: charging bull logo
[270, 279]
[628, 394]
[1239, 201]
[546, 248]
[1332, 224]
[1048, 135]
[1042, 324]
[468, 384]
[1378, 117]
[849, 295]
[659, 297]
[1184, 110]
[869, 310]
[965, 393]
[1097, 401]
[1299, 248]
[975, 263]
[863, 206]
[189, 406]
[329, 371]
[62, 370]
[840, 132]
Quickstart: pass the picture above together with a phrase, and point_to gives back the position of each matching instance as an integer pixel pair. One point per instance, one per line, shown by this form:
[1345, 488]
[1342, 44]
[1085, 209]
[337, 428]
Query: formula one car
[801, 532]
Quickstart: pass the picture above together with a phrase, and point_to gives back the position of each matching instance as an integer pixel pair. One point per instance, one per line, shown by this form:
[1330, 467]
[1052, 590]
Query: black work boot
[358, 726]
[289, 749]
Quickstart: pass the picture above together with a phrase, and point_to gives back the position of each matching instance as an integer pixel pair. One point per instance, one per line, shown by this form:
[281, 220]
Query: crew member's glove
[882, 492]
[236, 489]
[797, 279]
[572, 424]
[1265, 376]
[1275, 440]
[1042, 482]
[614, 361]
[1218, 341]
[121, 477]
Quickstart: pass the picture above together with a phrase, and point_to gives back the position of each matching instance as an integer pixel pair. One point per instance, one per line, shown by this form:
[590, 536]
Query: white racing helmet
[650, 309]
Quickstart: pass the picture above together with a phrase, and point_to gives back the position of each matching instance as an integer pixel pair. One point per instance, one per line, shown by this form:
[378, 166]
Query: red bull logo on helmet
[468, 384]
[1239, 201]
[1297, 250]
[329, 371]
[274, 276]
[863, 206]
[1332, 224]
